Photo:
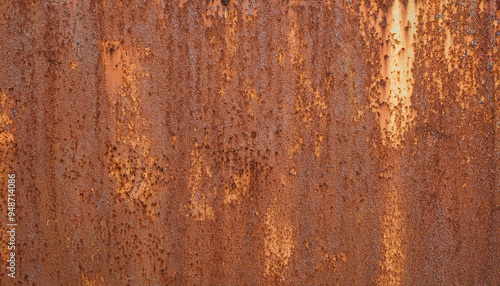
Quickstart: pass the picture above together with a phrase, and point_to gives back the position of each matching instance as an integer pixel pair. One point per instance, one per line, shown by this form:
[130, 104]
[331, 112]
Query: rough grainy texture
[255, 143]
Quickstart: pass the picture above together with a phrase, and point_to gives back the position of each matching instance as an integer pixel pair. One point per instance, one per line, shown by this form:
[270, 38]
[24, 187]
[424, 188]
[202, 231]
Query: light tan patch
[278, 245]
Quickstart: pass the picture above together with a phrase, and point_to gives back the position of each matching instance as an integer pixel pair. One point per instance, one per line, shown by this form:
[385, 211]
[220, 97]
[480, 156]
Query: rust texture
[252, 142]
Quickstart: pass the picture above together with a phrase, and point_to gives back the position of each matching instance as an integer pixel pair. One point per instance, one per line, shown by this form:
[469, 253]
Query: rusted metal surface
[254, 143]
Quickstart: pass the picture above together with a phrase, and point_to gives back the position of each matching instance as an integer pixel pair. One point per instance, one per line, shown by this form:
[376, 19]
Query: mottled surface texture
[185, 142]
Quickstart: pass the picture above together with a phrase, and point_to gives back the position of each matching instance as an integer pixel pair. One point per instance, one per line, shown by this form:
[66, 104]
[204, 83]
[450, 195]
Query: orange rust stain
[214, 11]
[278, 245]
[91, 281]
[255, 100]
[238, 186]
[199, 207]
[296, 147]
[281, 56]
[329, 5]
[6, 135]
[397, 30]
[130, 164]
[330, 259]
[318, 143]
[230, 33]
[294, 40]
[73, 65]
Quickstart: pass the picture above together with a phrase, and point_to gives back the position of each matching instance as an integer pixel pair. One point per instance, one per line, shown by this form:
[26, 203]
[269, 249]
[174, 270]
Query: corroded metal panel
[246, 142]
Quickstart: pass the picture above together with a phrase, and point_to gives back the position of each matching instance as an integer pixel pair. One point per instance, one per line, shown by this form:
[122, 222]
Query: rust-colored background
[260, 143]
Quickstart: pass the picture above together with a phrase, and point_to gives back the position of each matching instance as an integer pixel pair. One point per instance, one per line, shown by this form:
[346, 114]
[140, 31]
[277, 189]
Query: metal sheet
[255, 143]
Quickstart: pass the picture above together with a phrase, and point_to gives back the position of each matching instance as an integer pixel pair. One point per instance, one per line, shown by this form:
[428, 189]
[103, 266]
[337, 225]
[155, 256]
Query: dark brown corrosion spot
[225, 2]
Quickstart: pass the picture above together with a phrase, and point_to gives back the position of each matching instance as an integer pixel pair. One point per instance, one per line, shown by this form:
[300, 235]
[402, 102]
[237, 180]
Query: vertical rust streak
[394, 26]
